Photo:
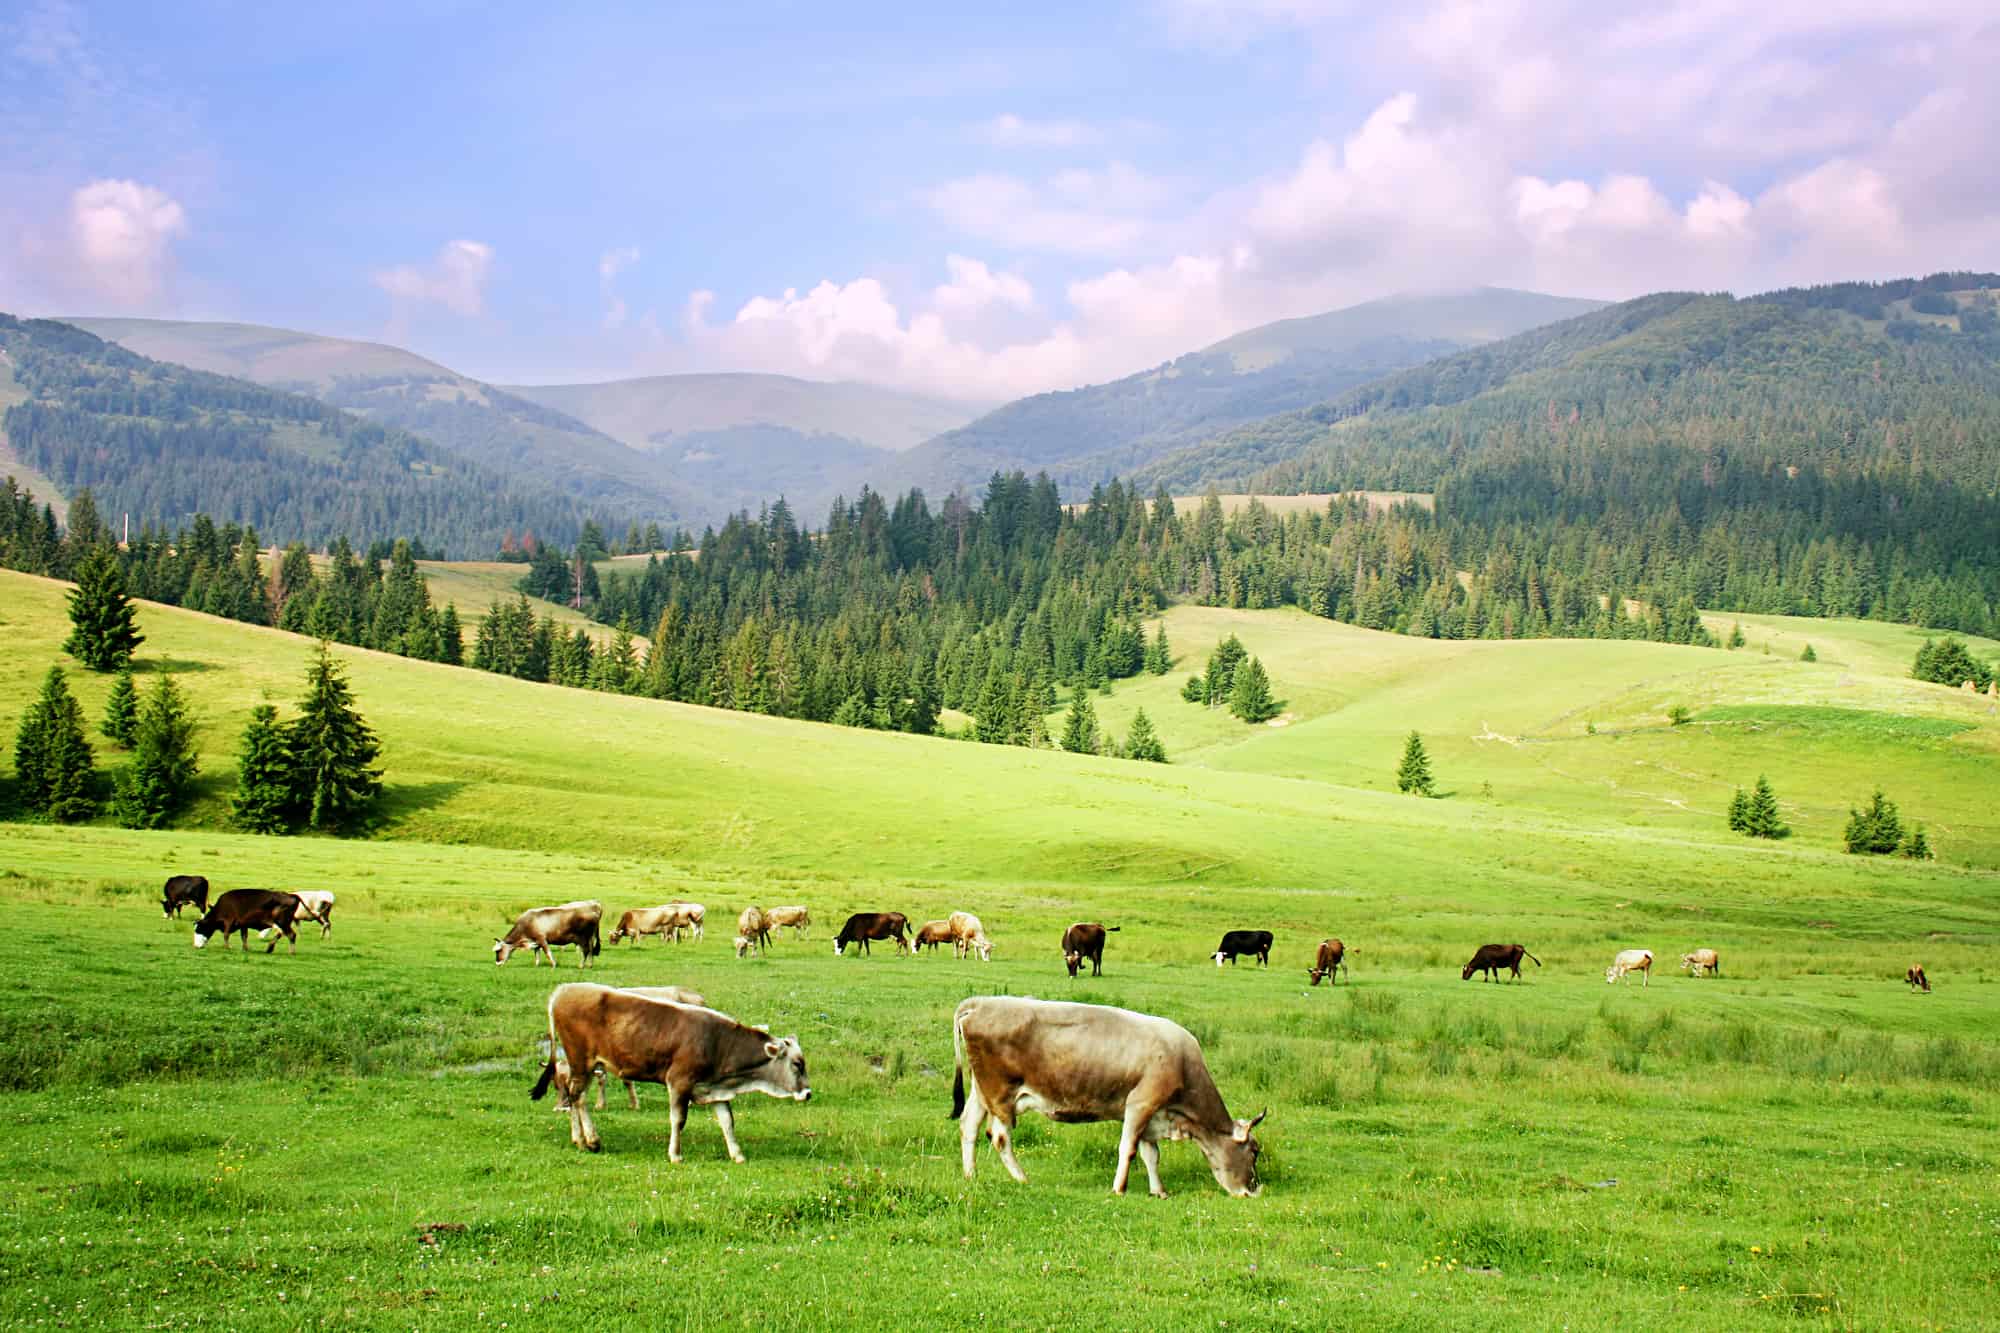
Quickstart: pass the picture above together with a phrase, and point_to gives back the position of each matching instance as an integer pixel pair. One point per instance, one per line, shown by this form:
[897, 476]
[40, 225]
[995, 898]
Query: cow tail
[1111, 928]
[958, 1070]
[1531, 958]
[542, 1083]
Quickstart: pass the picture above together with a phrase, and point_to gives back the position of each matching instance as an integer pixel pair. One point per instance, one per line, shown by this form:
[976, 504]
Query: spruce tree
[121, 710]
[51, 756]
[1876, 831]
[1413, 777]
[451, 639]
[1915, 845]
[105, 633]
[1250, 693]
[1142, 742]
[1196, 690]
[1080, 727]
[1760, 816]
[1159, 658]
[160, 777]
[1739, 812]
[1222, 663]
[1736, 639]
[263, 775]
[1809, 655]
[332, 749]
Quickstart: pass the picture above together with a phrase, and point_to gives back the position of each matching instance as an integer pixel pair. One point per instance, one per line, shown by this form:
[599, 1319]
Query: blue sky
[971, 205]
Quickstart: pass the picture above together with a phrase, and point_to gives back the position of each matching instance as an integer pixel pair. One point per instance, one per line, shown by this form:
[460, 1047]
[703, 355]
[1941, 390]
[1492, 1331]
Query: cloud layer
[454, 279]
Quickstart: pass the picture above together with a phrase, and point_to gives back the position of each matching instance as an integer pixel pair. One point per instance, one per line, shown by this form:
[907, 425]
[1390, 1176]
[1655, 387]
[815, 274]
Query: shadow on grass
[171, 666]
[404, 800]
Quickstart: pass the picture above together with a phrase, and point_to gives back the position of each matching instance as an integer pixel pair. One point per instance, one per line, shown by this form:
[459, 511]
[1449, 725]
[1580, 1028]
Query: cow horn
[1260, 1117]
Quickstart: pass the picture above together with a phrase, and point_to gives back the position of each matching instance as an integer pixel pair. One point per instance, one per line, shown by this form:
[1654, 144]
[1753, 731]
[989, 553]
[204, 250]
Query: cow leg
[1149, 1153]
[581, 1129]
[725, 1116]
[1002, 1131]
[601, 1077]
[968, 1126]
[632, 1092]
[677, 1121]
[1136, 1117]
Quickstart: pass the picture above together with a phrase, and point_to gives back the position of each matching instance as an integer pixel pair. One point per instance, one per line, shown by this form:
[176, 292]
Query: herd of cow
[1072, 1062]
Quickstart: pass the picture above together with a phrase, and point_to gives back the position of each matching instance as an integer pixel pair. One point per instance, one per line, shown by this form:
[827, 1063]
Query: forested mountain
[160, 441]
[1082, 437]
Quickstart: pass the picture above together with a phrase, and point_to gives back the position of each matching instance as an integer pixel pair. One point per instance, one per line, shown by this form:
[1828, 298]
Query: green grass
[184, 1136]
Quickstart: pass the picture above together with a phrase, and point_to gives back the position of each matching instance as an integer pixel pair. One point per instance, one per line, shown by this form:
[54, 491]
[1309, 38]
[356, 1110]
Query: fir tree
[1143, 742]
[105, 633]
[1915, 845]
[1760, 812]
[1250, 693]
[853, 711]
[1876, 831]
[1948, 663]
[1413, 777]
[51, 756]
[159, 779]
[121, 710]
[451, 639]
[1736, 639]
[263, 775]
[1195, 691]
[1080, 727]
[1809, 655]
[1220, 676]
[1739, 812]
[332, 750]
[1159, 658]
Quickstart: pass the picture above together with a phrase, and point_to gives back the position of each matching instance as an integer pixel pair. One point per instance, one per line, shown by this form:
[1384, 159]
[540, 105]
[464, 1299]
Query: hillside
[1088, 435]
[159, 441]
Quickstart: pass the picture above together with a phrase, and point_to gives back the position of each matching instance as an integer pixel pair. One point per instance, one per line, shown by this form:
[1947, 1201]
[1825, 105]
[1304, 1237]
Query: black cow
[865, 926]
[1084, 940]
[1236, 942]
[1492, 957]
[182, 890]
[241, 911]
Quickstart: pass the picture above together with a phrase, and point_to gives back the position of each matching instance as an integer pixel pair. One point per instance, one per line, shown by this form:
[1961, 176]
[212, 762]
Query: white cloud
[121, 235]
[1012, 131]
[974, 289]
[455, 278]
[1077, 211]
[609, 265]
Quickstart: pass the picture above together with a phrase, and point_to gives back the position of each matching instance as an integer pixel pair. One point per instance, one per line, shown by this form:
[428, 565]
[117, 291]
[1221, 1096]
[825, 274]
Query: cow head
[1466, 975]
[839, 947]
[1611, 974]
[1220, 957]
[502, 951]
[742, 946]
[783, 1073]
[1073, 960]
[1233, 1159]
[204, 928]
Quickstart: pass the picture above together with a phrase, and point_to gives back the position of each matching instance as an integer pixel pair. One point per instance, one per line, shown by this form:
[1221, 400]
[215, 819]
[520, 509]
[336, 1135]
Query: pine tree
[1080, 727]
[1876, 831]
[1736, 639]
[1195, 691]
[451, 639]
[1915, 845]
[105, 633]
[1159, 658]
[1222, 664]
[1142, 742]
[1413, 777]
[1739, 812]
[1250, 693]
[121, 710]
[263, 775]
[1809, 655]
[1760, 814]
[51, 756]
[332, 750]
[160, 777]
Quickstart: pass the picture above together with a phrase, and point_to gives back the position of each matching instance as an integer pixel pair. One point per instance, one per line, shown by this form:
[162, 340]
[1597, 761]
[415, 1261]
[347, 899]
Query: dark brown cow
[1332, 958]
[182, 890]
[1492, 957]
[703, 1057]
[241, 911]
[1084, 940]
[865, 926]
[540, 929]
[1916, 980]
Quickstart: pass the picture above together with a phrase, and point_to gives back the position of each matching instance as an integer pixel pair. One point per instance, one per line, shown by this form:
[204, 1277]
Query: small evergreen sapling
[1080, 726]
[1760, 815]
[1143, 742]
[121, 710]
[1809, 655]
[1413, 776]
[1876, 831]
[1159, 658]
[1915, 845]
[1250, 693]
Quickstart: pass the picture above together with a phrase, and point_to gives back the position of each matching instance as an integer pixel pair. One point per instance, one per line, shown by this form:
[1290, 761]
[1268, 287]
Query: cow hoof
[594, 1146]
[738, 1158]
[1159, 1194]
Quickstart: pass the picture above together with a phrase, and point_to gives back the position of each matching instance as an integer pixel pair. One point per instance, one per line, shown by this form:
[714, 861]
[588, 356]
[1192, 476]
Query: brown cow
[1084, 940]
[1702, 961]
[541, 929]
[1083, 1062]
[798, 919]
[668, 919]
[968, 937]
[1332, 958]
[865, 926]
[1916, 980]
[930, 935]
[182, 890]
[1492, 957]
[241, 911]
[701, 1056]
[752, 929]
[679, 995]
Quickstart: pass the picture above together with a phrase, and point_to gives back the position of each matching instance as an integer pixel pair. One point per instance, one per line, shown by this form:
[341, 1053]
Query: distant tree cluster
[1234, 680]
[1948, 662]
[1879, 830]
[316, 771]
[1755, 814]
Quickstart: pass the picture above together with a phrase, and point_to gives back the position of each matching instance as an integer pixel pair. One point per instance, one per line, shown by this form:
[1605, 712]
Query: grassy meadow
[343, 1137]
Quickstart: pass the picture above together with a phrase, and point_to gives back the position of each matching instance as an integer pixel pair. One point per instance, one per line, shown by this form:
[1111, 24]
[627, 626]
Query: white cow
[1630, 960]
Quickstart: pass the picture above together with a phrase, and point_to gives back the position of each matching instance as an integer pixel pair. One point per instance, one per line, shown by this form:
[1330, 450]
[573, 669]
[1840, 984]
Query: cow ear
[774, 1049]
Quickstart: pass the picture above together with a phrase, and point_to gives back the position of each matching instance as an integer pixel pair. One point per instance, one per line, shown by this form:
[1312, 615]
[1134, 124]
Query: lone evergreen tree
[1736, 639]
[451, 638]
[1080, 727]
[1876, 831]
[1809, 655]
[1159, 658]
[263, 775]
[1739, 812]
[104, 632]
[51, 756]
[332, 750]
[1142, 742]
[158, 781]
[1250, 693]
[1760, 814]
[1414, 776]
[121, 710]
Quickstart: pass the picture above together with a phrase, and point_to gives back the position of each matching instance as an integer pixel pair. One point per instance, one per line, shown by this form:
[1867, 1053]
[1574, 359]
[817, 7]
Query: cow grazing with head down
[1492, 957]
[1084, 940]
[182, 890]
[679, 995]
[865, 926]
[968, 937]
[1630, 960]
[930, 935]
[240, 911]
[1702, 962]
[752, 930]
[1332, 958]
[541, 929]
[668, 919]
[1916, 980]
[703, 1057]
[797, 919]
[1254, 943]
[1084, 1062]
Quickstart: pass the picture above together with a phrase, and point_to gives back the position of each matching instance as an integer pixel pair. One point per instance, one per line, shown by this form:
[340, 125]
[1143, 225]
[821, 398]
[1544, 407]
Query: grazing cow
[182, 890]
[752, 929]
[1084, 940]
[797, 918]
[968, 937]
[314, 905]
[703, 1057]
[1916, 980]
[669, 920]
[1702, 961]
[679, 995]
[540, 929]
[240, 911]
[1492, 957]
[1630, 960]
[1332, 958]
[691, 919]
[865, 926]
[930, 935]
[1082, 1062]
[1236, 942]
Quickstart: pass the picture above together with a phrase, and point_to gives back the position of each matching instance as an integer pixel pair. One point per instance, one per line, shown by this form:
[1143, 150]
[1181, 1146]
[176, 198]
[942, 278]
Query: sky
[973, 206]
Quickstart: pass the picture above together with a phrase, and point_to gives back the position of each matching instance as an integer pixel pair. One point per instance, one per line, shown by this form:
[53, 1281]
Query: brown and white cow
[1084, 940]
[1082, 1062]
[968, 937]
[1332, 958]
[930, 935]
[182, 890]
[1702, 961]
[314, 905]
[701, 1056]
[240, 911]
[1916, 980]
[541, 929]
[668, 919]
[752, 929]
[865, 926]
[1630, 960]
[679, 995]
[797, 919]
[1490, 958]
